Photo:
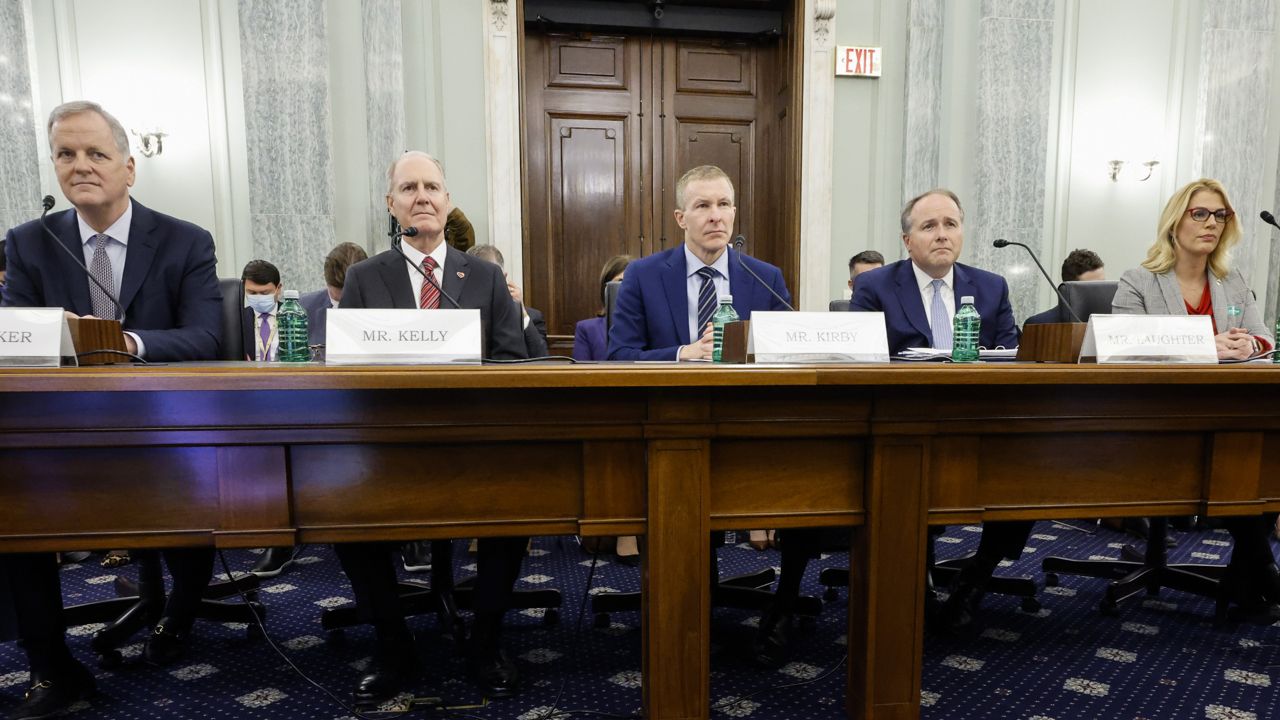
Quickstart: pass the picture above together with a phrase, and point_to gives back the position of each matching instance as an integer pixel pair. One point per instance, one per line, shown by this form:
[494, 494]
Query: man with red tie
[418, 198]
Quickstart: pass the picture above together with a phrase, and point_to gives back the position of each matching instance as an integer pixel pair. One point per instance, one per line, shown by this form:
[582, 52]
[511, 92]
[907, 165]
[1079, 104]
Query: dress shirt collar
[693, 263]
[415, 255]
[923, 279]
[119, 230]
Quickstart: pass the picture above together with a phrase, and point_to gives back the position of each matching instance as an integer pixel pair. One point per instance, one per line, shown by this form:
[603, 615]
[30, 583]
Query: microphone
[1006, 243]
[1269, 219]
[738, 242]
[48, 203]
[395, 245]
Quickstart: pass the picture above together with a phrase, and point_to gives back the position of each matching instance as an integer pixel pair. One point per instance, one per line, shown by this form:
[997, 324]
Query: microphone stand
[1005, 243]
[396, 239]
[738, 242]
[48, 205]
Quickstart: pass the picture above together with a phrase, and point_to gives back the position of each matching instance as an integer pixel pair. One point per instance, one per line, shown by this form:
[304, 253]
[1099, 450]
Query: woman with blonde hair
[1188, 272]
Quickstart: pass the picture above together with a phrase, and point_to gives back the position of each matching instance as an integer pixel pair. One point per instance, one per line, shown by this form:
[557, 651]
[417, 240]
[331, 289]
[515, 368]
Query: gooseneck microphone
[395, 245]
[1006, 243]
[48, 203]
[738, 242]
[1269, 219]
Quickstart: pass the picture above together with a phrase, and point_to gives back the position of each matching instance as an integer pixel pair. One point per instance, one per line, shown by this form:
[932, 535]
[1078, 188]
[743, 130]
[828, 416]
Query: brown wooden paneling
[755, 477]
[1269, 485]
[710, 69]
[1235, 471]
[597, 63]
[613, 482]
[253, 489]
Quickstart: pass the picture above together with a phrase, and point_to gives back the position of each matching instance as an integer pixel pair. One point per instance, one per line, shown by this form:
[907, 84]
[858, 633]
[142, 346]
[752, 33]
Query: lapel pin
[461, 274]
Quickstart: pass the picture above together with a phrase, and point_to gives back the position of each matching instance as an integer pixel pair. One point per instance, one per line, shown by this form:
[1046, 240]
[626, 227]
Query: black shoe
[772, 639]
[394, 670]
[53, 695]
[273, 561]
[629, 560]
[168, 642]
[494, 673]
[961, 608]
[417, 556]
[78, 556]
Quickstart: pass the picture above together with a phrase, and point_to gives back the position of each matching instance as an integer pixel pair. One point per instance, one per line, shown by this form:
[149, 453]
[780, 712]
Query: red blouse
[1206, 308]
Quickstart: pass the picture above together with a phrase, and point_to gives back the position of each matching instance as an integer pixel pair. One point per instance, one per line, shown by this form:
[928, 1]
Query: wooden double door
[612, 122]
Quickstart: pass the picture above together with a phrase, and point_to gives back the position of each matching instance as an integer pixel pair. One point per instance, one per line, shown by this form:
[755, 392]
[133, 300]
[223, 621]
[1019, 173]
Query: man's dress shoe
[167, 643]
[772, 639]
[273, 561]
[417, 556]
[53, 695]
[494, 673]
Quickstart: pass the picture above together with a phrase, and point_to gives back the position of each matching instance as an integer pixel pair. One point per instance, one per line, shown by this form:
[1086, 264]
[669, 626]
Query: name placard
[34, 337]
[1150, 339]
[408, 337]
[818, 337]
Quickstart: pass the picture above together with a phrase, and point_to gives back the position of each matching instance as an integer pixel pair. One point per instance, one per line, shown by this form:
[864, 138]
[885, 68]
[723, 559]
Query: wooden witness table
[239, 455]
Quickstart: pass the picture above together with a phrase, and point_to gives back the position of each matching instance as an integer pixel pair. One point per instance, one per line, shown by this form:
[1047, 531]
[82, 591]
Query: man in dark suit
[662, 313]
[919, 297]
[417, 197]
[162, 271]
[317, 303]
[1079, 265]
[535, 327]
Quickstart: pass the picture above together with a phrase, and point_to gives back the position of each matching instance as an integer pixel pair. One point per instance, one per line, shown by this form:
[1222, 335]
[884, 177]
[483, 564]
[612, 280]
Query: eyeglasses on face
[1200, 214]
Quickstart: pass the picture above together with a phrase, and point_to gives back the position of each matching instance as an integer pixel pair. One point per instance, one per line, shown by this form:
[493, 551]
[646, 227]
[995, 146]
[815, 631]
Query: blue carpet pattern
[1158, 658]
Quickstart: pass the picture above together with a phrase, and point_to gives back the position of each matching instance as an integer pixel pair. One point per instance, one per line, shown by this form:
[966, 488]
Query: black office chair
[1137, 570]
[838, 306]
[139, 604]
[610, 299]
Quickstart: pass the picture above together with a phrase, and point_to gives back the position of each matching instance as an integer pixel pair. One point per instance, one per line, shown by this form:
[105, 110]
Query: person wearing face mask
[262, 290]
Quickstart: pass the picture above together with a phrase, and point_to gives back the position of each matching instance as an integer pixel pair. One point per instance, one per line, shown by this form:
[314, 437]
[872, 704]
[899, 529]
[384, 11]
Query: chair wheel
[601, 621]
[336, 637]
[830, 594]
[1108, 607]
[1051, 579]
[110, 659]
[1030, 605]
[551, 617]
[255, 632]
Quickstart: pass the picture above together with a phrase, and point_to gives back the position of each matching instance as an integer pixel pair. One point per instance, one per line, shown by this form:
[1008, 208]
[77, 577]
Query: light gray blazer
[1142, 292]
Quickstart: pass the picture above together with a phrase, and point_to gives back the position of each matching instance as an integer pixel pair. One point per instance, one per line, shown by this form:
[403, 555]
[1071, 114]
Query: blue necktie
[707, 300]
[939, 323]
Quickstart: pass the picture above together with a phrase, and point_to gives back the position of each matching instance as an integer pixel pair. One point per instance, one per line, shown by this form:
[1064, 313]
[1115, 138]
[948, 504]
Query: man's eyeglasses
[1200, 214]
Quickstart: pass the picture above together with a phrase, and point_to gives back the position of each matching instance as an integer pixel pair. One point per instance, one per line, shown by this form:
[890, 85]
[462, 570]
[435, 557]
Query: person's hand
[516, 293]
[130, 344]
[1234, 344]
[700, 350]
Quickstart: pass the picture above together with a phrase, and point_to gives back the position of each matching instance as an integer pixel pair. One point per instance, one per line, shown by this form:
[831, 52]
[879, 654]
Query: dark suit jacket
[535, 336]
[892, 290]
[169, 291]
[382, 281]
[317, 306]
[1048, 316]
[651, 317]
[589, 340]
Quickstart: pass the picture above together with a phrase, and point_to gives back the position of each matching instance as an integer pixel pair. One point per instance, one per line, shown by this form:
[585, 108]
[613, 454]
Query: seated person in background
[318, 302]
[418, 197]
[862, 262]
[918, 297]
[531, 320]
[1079, 265]
[1187, 272]
[262, 288]
[589, 336]
[3, 265]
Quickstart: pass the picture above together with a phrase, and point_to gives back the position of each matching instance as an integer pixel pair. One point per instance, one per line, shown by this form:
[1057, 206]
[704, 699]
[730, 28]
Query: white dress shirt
[117, 252]
[273, 344]
[926, 293]
[415, 278]
[693, 285]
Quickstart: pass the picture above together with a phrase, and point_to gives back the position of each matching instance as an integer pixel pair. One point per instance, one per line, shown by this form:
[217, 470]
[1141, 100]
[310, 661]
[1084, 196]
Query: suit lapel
[674, 277]
[68, 231]
[395, 275]
[457, 268]
[909, 296]
[1218, 296]
[141, 252]
[1172, 294]
[962, 284]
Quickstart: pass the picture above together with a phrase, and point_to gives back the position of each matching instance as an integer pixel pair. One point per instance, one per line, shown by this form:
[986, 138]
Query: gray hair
[911, 205]
[76, 107]
[490, 253]
[391, 170]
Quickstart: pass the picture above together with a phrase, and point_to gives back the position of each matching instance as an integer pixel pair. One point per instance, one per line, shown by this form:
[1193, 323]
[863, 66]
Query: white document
[402, 337]
[34, 337]
[1150, 339]
[799, 337]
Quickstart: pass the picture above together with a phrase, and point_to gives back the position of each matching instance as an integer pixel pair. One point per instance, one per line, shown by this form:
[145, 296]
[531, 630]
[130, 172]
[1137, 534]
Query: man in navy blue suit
[657, 315]
[918, 297]
[162, 271]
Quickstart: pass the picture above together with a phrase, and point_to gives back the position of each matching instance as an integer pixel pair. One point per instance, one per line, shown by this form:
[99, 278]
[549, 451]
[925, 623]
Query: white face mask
[261, 303]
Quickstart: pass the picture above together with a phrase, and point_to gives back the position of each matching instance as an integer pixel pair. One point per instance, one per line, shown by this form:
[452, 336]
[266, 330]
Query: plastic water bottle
[965, 330]
[291, 326]
[723, 314]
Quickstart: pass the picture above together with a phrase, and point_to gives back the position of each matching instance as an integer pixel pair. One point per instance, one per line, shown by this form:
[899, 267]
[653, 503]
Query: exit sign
[858, 61]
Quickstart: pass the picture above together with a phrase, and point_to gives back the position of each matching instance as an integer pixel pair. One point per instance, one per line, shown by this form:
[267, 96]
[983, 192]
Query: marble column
[922, 131]
[817, 164]
[502, 123]
[1231, 120]
[284, 57]
[384, 107]
[1015, 74]
[20, 171]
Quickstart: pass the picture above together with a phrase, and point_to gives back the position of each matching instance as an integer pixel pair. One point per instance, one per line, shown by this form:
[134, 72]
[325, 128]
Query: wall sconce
[1115, 166]
[151, 142]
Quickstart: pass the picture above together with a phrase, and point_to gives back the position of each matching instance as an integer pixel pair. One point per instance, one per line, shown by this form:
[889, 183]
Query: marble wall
[1015, 74]
[20, 171]
[1231, 118]
[923, 113]
[384, 107]
[287, 124]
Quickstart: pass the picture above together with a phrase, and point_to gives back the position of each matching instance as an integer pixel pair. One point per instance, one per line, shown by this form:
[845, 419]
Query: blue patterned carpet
[1157, 659]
